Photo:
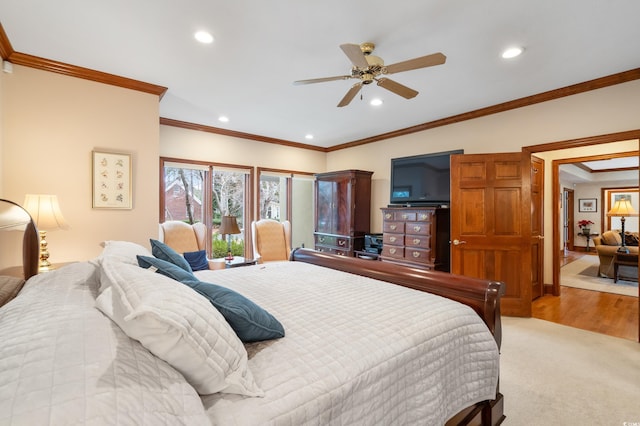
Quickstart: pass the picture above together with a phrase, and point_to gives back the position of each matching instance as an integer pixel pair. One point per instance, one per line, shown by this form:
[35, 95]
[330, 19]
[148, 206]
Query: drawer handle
[392, 239]
[404, 216]
[416, 254]
[387, 216]
[424, 216]
[416, 241]
[341, 242]
[417, 228]
[321, 239]
[392, 251]
[393, 227]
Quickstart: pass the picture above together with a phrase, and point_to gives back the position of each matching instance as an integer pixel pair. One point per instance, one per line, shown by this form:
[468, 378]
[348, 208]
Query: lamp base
[45, 265]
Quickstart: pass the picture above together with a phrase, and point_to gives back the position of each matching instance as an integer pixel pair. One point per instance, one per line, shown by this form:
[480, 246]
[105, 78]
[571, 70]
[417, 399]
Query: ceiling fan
[369, 68]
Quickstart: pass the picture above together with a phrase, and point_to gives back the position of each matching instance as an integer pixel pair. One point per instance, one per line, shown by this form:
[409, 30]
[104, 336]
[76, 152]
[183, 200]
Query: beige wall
[609, 110]
[50, 125]
[194, 145]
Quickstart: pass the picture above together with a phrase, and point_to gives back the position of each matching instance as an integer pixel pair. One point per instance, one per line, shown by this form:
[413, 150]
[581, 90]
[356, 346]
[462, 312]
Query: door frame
[573, 143]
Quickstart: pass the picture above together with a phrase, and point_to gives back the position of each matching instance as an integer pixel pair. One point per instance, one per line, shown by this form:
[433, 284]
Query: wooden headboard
[14, 218]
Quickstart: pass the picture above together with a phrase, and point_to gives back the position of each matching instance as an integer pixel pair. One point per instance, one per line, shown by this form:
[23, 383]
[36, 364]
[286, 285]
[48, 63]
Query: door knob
[458, 242]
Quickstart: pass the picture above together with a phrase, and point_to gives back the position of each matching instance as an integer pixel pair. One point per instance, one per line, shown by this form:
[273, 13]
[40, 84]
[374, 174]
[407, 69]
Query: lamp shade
[622, 208]
[45, 211]
[229, 226]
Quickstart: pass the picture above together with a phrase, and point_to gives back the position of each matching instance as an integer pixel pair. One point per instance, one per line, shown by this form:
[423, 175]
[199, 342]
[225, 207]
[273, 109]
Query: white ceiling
[261, 47]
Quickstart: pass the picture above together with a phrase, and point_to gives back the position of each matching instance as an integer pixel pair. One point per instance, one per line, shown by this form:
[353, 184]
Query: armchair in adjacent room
[184, 238]
[271, 240]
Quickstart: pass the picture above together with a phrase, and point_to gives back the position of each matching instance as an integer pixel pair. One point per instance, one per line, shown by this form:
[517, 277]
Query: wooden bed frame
[483, 296]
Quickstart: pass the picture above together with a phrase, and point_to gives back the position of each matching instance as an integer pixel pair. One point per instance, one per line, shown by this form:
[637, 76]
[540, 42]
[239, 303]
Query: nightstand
[222, 263]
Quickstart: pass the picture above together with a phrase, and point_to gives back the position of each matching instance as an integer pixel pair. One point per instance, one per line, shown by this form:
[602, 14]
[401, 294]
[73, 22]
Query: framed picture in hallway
[588, 205]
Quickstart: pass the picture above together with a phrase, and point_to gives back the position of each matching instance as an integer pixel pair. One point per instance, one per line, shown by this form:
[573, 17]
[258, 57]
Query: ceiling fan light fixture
[376, 102]
[203, 37]
[512, 52]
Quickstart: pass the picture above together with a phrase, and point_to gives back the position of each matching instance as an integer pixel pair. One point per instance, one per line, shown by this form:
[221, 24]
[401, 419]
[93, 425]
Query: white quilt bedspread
[62, 362]
[356, 351]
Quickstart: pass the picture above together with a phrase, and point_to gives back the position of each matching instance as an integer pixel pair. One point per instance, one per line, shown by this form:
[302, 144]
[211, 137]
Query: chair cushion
[181, 236]
[611, 238]
[197, 260]
[270, 241]
[164, 252]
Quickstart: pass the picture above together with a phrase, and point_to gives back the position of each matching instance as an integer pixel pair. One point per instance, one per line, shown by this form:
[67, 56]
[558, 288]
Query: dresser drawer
[417, 255]
[395, 252]
[397, 227]
[393, 239]
[418, 241]
[333, 250]
[333, 240]
[418, 228]
[424, 215]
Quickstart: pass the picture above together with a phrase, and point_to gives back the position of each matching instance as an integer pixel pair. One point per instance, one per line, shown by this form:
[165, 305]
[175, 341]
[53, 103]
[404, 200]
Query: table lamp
[229, 226]
[45, 212]
[622, 208]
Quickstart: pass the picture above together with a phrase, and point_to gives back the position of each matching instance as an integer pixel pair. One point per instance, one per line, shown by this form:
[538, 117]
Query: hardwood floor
[606, 313]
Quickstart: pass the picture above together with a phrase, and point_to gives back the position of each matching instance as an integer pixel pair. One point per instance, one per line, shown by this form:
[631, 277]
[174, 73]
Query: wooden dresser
[416, 236]
[343, 211]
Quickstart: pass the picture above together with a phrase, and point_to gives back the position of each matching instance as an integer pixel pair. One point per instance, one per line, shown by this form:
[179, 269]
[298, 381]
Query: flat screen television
[421, 179]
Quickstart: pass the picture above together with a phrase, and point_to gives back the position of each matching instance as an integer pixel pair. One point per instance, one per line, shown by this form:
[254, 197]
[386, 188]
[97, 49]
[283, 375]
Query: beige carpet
[557, 375]
[583, 273]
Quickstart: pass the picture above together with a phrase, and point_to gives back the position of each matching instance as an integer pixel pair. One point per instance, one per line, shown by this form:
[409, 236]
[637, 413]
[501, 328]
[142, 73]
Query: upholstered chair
[271, 240]
[183, 237]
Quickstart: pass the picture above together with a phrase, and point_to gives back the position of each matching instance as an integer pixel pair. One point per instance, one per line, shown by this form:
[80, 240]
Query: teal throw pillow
[197, 260]
[164, 252]
[165, 268]
[250, 322]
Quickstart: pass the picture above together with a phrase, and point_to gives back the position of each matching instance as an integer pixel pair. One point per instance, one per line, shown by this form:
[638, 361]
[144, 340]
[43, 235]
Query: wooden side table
[626, 259]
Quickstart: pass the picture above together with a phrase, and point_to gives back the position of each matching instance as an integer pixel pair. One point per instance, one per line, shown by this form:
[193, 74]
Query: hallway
[606, 313]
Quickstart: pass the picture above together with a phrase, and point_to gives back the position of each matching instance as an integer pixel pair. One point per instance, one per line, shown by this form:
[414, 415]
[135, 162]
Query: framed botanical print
[111, 180]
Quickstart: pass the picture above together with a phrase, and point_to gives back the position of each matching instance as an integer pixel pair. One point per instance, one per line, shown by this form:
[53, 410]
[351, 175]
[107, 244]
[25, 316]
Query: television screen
[421, 179]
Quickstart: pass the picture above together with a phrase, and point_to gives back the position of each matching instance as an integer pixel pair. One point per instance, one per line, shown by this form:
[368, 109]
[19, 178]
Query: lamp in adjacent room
[622, 208]
[45, 212]
[229, 226]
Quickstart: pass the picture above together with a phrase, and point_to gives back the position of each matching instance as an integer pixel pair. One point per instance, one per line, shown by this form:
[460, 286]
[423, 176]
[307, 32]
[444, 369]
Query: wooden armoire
[342, 211]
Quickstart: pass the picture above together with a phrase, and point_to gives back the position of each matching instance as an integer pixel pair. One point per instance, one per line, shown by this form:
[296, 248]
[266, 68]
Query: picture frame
[112, 180]
[588, 205]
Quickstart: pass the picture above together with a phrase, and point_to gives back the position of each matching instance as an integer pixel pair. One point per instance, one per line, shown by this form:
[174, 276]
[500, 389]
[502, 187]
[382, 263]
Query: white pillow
[120, 251]
[179, 326]
[123, 251]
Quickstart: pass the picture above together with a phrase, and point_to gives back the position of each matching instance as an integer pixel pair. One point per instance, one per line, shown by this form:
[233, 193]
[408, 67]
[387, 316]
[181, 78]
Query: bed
[355, 350]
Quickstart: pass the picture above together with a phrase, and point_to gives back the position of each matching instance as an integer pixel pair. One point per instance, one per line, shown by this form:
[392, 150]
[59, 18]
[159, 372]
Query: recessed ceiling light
[376, 102]
[512, 52]
[203, 37]
[308, 136]
[223, 119]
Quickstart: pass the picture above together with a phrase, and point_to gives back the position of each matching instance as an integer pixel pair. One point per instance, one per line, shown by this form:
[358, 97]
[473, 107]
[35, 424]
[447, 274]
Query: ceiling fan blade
[355, 55]
[397, 88]
[350, 95]
[412, 64]
[322, 80]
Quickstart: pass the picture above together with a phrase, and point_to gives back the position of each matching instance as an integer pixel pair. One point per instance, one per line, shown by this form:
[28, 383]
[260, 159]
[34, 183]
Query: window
[204, 192]
[285, 195]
